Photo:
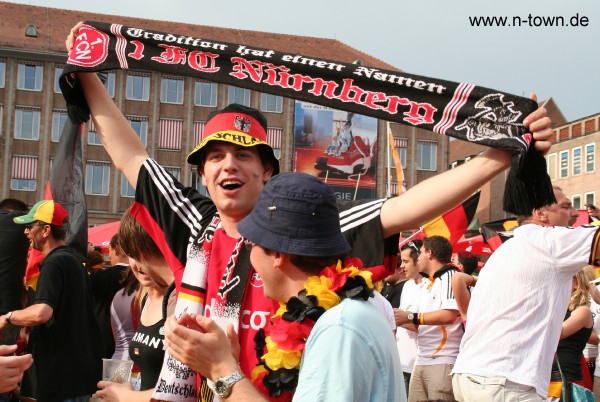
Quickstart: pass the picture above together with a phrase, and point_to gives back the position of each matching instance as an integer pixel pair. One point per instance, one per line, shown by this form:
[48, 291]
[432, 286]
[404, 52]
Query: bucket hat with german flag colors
[236, 124]
[46, 211]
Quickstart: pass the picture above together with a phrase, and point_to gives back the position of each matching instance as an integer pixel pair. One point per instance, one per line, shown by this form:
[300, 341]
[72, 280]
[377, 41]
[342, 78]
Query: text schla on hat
[240, 139]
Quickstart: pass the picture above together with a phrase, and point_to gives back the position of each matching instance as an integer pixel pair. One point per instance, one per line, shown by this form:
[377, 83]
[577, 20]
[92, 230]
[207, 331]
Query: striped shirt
[519, 303]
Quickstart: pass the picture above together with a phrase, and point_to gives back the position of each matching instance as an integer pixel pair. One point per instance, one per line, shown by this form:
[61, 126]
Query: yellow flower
[353, 272]
[282, 309]
[319, 286]
[367, 277]
[258, 370]
[277, 358]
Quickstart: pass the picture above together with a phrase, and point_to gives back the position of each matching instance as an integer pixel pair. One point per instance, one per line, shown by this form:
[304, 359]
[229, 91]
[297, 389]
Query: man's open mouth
[231, 184]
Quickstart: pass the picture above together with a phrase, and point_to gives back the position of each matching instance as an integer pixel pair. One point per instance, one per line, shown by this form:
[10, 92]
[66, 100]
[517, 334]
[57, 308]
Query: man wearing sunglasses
[64, 336]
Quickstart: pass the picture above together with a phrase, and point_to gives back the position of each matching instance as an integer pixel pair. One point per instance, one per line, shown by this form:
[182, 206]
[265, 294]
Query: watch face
[221, 388]
[410, 316]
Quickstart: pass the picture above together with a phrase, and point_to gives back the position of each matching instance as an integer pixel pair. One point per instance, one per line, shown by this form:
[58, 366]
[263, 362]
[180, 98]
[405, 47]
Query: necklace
[279, 347]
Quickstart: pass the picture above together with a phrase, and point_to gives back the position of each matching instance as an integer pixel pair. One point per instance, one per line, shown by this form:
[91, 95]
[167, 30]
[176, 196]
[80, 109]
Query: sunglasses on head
[414, 247]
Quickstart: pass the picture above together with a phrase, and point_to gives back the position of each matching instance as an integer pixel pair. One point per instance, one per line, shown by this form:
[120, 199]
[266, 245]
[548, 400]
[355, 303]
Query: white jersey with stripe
[437, 344]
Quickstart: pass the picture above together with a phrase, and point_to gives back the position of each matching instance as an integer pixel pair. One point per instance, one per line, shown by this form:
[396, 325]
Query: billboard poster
[338, 147]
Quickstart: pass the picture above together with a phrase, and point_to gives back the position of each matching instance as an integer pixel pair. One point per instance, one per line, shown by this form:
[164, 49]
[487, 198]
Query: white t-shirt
[437, 344]
[406, 340]
[519, 303]
[385, 307]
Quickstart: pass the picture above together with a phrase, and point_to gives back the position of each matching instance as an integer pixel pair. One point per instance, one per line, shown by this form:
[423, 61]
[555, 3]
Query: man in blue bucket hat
[296, 247]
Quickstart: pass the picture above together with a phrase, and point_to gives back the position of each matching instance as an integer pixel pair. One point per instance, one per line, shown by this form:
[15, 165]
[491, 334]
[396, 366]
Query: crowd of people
[261, 292]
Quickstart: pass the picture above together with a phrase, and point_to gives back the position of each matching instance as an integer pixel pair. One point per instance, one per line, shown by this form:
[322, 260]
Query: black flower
[281, 380]
[355, 288]
[260, 343]
[301, 307]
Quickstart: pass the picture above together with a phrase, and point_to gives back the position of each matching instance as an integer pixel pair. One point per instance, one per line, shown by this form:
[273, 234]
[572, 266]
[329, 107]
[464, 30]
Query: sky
[426, 37]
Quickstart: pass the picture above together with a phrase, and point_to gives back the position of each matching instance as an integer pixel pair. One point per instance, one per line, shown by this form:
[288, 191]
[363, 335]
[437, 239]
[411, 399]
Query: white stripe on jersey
[179, 204]
[360, 214]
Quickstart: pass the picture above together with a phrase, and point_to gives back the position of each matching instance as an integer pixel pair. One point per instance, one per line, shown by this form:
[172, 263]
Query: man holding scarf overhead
[199, 236]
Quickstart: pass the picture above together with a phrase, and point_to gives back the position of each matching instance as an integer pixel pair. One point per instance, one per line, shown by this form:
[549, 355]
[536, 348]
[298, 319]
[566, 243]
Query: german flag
[493, 232]
[32, 272]
[454, 223]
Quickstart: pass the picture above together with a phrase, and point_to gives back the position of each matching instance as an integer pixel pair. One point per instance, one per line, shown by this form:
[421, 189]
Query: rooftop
[53, 25]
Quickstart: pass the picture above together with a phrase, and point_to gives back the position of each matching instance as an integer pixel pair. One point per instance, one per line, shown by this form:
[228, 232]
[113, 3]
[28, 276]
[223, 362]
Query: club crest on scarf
[91, 48]
[242, 123]
[497, 120]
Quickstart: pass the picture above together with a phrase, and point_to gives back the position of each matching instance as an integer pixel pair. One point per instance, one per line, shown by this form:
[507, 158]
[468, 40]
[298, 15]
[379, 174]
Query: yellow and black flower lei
[279, 348]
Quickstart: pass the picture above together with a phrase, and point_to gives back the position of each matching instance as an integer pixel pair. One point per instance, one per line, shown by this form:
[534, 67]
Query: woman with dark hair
[146, 346]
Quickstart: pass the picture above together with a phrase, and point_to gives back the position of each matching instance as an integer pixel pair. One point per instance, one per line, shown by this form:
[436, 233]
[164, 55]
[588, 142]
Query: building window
[271, 103]
[171, 90]
[551, 166]
[138, 87]
[24, 173]
[197, 183]
[427, 155]
[198, 130]
[27, 124]
[57, 73]
[93, 137]
[97, 178]
[140, 126]
[238, 95]
[274, 140]
[174, 171]
[576, 200]
[59, 119]
[564, 164]
[2, 73]
[30, 76]
[590, 155]
[590, 198]
[401, 144]
[127, 189]
[576, 161]
[206, 93]
[170, 134]
[110, 83]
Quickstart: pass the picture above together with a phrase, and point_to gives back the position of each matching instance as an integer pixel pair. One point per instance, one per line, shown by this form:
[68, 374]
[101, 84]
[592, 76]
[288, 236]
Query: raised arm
[118, 137]
[443, 192]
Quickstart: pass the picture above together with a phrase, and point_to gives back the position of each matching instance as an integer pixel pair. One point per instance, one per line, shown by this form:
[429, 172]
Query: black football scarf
[464, 111]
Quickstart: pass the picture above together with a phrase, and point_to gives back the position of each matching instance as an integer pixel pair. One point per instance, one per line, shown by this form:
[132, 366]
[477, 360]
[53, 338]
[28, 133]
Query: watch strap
[223, 385]
[7, 317]
[415, 319]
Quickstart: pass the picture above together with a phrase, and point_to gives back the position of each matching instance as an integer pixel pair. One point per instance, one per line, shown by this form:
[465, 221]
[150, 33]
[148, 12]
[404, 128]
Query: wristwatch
[413, 317]
[7, 317]
[224, 385]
